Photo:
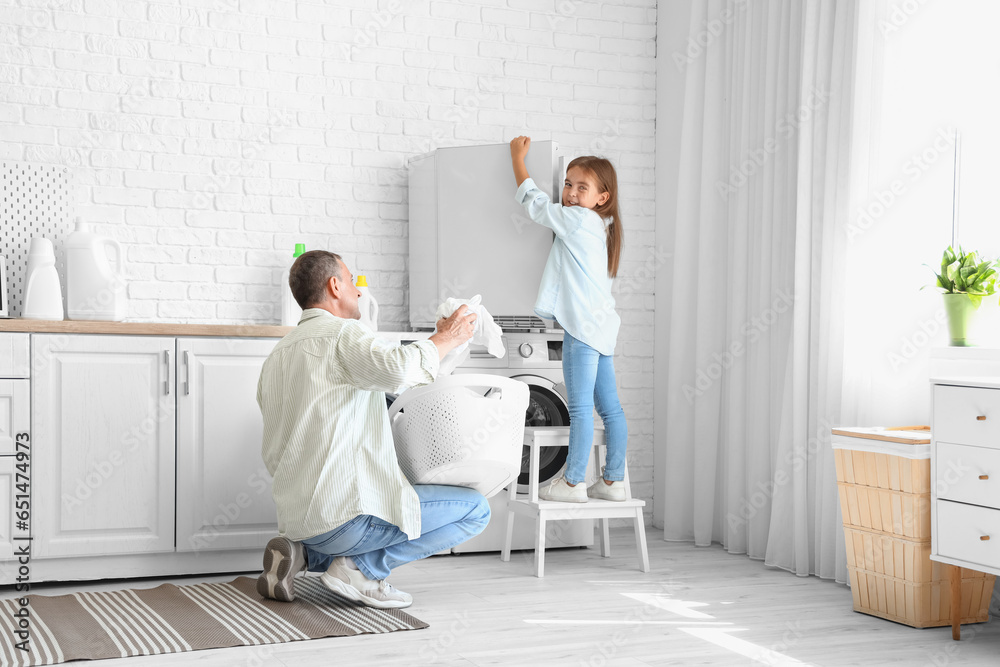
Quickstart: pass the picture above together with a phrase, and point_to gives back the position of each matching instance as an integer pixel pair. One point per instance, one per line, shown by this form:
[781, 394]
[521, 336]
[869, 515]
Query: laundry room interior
[295, 293]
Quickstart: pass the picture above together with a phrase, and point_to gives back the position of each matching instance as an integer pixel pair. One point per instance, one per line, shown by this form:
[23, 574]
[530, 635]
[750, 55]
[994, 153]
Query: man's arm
[374, 365]
[454, 330]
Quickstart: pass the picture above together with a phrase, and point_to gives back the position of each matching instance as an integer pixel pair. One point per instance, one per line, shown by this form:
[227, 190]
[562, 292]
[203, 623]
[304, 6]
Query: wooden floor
[697, 606]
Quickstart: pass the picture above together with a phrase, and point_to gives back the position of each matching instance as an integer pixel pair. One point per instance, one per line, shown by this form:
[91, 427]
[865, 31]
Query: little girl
[576, 292]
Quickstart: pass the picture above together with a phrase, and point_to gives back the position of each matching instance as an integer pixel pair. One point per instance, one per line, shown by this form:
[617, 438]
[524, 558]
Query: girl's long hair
[607, 180]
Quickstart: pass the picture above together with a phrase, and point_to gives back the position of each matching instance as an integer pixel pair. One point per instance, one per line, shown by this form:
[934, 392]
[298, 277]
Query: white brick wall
[210, 137]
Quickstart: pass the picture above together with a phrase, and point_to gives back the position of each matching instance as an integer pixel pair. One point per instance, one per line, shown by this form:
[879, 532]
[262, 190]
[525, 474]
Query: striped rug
[174, 619]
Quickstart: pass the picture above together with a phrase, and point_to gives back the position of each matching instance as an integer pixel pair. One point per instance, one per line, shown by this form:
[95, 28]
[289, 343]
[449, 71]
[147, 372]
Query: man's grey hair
[309, 275]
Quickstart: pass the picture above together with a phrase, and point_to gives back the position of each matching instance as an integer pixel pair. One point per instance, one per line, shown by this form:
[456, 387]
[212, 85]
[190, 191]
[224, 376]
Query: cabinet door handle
[985, 538]
[984, 477]
[166, 385]
[187, 373]
[981, 418]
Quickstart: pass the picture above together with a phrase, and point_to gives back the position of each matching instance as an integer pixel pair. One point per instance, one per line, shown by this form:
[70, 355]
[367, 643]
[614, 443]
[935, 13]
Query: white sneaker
[602, 491]
[354, 585]
[283, 559]
[560, 491]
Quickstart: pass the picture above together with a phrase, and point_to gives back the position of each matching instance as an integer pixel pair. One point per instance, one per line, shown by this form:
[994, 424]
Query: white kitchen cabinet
[8, 530]
[14, 413]
[14, 355]
[15, 416]
[223, 490]
[103, 411]
[14, 422]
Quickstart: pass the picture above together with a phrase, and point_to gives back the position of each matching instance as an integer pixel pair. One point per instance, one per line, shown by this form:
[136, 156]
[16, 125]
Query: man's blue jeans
[590, 379]
[449, 515]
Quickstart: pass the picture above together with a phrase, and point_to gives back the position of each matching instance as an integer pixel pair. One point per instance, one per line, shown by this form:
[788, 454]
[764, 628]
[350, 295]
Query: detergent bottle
[94, 289]
[42, 294]
[367, 305]
[290, 310]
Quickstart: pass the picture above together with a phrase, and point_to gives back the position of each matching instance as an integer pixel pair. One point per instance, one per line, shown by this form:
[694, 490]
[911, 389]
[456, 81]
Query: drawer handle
[984, 477]
[981, 418]
[985, 538]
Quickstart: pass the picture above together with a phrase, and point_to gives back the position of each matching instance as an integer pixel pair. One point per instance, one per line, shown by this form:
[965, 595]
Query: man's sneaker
[354, 585]
[560, 491]
[283, 559]
[614, 491]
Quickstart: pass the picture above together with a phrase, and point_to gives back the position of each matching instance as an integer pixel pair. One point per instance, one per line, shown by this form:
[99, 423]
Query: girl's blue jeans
[590, 381]
[449, 515]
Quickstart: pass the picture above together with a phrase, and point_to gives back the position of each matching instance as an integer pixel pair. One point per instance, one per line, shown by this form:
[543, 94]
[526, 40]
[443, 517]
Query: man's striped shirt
[327, 440]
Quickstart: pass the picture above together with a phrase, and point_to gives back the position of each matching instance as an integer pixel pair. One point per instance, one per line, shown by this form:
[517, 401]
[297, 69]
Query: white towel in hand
[486, 332]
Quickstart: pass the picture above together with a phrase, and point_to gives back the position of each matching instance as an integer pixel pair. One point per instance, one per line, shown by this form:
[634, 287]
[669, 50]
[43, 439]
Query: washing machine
[536, 360]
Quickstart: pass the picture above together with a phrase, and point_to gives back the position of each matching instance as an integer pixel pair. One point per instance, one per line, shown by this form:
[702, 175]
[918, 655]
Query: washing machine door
[548, 405]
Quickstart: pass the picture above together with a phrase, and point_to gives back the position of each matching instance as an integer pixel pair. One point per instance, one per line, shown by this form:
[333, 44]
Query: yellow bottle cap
[362, 282]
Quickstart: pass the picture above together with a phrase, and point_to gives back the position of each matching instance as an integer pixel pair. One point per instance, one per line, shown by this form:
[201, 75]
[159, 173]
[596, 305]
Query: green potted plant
[965, 280]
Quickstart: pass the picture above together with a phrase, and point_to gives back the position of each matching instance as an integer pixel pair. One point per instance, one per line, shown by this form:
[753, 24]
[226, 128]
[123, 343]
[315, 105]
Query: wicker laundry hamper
[884, 483]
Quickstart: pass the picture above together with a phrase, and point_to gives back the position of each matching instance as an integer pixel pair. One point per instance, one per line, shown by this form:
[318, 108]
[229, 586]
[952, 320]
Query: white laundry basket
[462, 430]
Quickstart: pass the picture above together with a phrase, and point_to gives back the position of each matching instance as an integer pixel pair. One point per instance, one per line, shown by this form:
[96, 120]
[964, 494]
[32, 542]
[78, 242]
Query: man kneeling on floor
[344, 507]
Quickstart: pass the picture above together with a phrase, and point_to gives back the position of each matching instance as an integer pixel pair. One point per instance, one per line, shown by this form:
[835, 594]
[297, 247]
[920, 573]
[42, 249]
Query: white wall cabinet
[224, 492]
[103, 410]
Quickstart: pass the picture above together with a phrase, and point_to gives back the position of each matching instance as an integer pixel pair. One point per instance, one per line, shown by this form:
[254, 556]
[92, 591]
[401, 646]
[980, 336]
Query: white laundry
[486, 332]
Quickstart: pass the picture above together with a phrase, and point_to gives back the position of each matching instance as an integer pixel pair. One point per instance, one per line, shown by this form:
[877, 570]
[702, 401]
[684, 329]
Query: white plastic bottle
[94, 290]
[42, 293]
[291, 313]
[367, 305]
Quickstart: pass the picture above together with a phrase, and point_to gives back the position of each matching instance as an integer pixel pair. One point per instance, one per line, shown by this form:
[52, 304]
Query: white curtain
[760, 170]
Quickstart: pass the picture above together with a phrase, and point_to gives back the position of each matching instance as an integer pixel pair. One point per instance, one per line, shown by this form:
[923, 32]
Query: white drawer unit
[965, 474]
[968, 474]
[967, 415]
[969, 533]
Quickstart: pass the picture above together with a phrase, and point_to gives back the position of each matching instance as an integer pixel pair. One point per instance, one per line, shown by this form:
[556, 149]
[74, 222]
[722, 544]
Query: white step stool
[546, 510]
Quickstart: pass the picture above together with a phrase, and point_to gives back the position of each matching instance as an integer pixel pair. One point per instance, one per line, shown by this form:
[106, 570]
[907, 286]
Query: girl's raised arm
[518, 150]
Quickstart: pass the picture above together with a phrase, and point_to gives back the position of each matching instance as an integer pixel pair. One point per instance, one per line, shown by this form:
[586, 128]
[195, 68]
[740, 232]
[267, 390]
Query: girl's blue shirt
[576, 288]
